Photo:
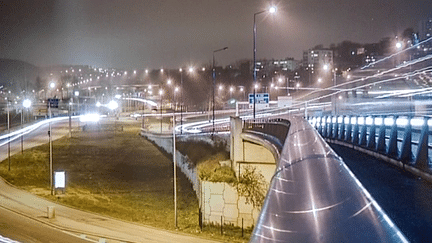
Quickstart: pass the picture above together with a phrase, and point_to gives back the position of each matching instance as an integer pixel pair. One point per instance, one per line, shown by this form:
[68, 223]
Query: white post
[237, 108]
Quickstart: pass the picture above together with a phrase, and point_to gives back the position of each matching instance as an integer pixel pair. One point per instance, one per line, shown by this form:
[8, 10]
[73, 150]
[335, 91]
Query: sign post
[52, 103]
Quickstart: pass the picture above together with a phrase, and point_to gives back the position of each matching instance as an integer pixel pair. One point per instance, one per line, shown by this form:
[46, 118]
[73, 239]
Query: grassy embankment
[121, 175]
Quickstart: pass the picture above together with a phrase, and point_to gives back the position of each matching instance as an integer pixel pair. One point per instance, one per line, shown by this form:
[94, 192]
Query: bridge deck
[404, 197]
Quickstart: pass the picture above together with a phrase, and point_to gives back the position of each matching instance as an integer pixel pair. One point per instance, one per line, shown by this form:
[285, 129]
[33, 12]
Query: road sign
[260, 98]
[53, 103]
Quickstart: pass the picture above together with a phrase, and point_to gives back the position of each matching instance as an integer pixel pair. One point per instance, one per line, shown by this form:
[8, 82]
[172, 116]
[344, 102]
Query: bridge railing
[405, 139]
[314, 197]
[277, 127]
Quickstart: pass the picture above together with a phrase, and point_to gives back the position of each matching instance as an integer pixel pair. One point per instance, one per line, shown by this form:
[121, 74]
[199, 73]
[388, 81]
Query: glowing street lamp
[27, 103]
[398, 45]
[112, 105]
[270, 10]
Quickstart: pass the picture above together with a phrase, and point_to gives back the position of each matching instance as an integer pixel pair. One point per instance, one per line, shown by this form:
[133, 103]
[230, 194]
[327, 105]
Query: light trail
[395, 54]
[26, 130]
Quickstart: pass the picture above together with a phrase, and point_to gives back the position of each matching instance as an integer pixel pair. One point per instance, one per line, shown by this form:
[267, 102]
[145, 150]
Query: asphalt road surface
[23, 229]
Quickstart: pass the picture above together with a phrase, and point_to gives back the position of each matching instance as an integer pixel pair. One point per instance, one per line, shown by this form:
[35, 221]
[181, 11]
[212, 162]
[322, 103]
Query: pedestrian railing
[405, 139]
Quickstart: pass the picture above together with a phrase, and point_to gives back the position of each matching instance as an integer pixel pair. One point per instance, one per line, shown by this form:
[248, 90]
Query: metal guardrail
[405, 139]
[218, 128]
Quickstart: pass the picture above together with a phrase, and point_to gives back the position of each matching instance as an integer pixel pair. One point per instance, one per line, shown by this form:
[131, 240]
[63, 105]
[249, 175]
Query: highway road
[21, 228]
[17, 226]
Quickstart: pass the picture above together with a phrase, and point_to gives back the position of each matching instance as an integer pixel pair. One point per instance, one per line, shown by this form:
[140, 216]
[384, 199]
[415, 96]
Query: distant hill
[17, 75]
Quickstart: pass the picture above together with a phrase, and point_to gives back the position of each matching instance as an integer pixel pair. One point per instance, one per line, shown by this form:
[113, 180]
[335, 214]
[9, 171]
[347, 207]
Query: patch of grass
[211, 170]
[121, 175]
[199, 151]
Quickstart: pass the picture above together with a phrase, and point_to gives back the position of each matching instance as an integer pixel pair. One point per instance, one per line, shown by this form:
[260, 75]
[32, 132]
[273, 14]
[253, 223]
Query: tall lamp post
[270, 10]
[26, 104]
[161, 93]
[327, 67]
[181, 100]
[214, 86]
[8, 127]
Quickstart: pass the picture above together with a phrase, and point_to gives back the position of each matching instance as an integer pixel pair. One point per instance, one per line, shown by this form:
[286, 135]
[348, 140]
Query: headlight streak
[416, 72]
[395, 54]
[358, 87]
[195, 127]
[150, 102]
[18, 133]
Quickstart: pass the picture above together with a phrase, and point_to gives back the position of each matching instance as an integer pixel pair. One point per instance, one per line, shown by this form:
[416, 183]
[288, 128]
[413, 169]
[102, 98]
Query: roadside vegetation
[118, 174]
[215, 166]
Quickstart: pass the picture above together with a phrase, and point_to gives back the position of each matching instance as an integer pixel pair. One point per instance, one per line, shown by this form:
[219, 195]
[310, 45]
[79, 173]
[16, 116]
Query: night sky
[138, 34]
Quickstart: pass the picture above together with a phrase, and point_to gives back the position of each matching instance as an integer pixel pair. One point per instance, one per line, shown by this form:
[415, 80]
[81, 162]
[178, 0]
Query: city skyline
[169, 34]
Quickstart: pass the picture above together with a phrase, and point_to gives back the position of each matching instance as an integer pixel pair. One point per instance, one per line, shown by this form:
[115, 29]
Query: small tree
[252, 185]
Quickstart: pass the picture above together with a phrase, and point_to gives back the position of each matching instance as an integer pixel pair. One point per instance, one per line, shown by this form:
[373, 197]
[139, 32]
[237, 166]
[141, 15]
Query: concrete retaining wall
[216, 199]
[221, 199]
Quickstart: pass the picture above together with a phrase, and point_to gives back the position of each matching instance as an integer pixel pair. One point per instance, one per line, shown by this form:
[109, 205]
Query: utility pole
[50, 151]
[175, 171]
[8, 127]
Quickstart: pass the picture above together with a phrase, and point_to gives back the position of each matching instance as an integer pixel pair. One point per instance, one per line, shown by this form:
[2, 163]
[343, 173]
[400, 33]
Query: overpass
[313, 196]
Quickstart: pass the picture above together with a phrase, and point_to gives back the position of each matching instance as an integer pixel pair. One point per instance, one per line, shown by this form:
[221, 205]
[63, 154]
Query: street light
[399, 45]
[270, 10]
[181, 100]
[26, 104]
[161, 93]
[8, 128]
[214, 86]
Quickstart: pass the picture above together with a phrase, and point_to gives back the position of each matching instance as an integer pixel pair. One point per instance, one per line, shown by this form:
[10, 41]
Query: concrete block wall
[221, 199]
